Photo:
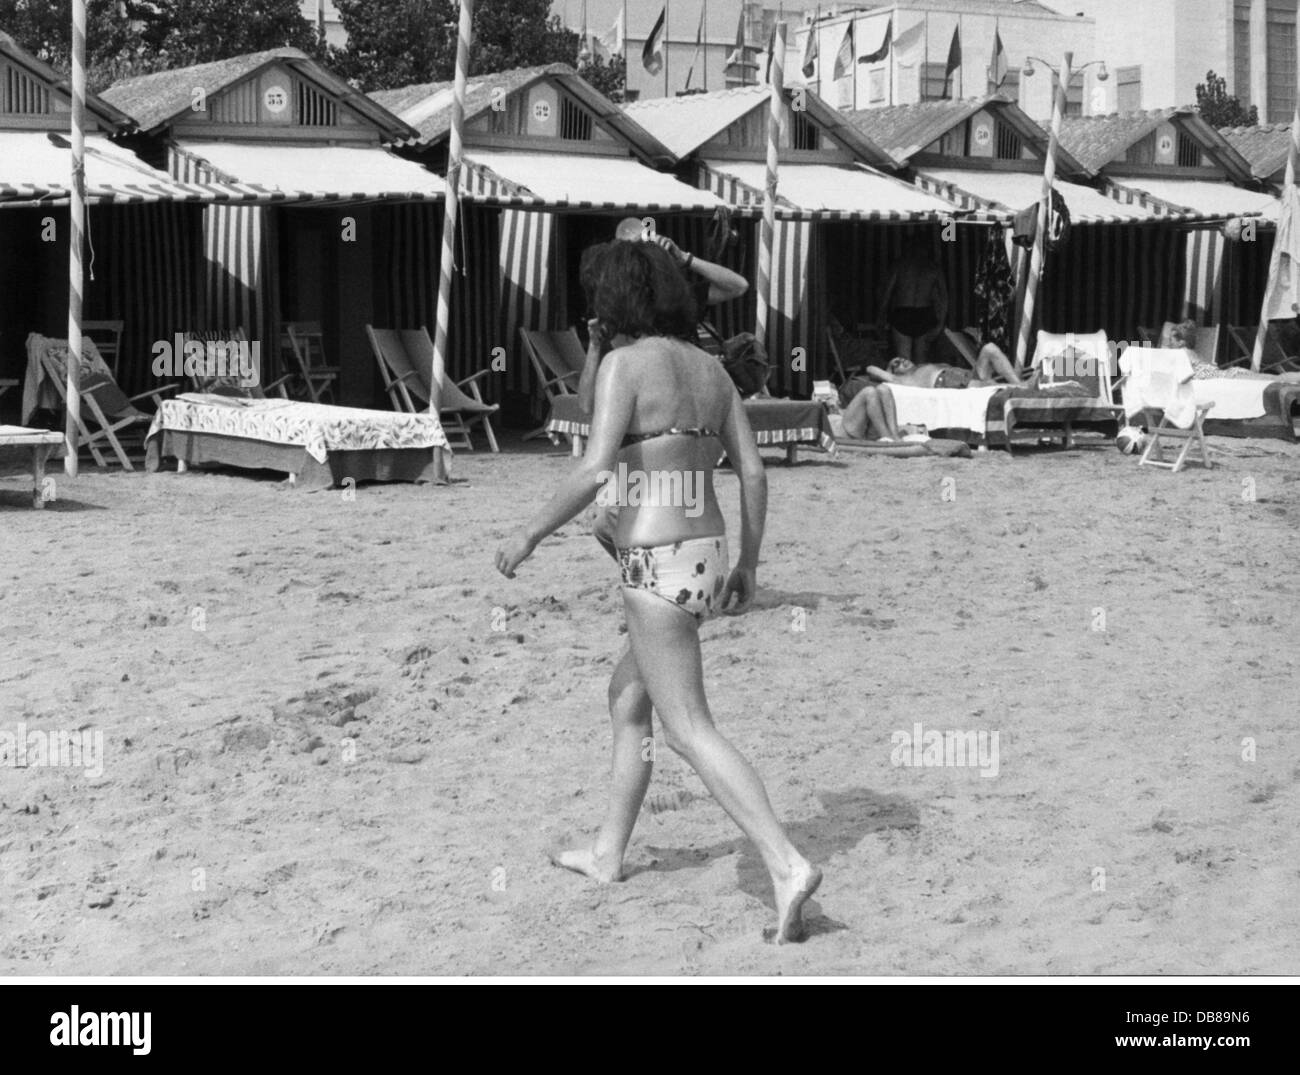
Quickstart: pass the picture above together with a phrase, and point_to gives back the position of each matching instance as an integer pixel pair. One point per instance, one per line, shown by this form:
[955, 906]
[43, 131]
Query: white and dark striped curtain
[238, 255]
[1204, 254]
[529, 265]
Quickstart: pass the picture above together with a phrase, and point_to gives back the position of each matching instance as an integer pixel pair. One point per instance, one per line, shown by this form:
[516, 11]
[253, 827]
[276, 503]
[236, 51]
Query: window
[1241, 49]
[1009, 147]
[315, 109]
[575, 122]
[1128, 89]
[22, 95]
[1189, 152]
[1281, 61]
[803, 133]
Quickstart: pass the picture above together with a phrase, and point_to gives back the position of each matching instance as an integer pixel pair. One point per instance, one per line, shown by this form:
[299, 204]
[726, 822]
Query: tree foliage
[125, 38]
[1220, 110]
[394, 43]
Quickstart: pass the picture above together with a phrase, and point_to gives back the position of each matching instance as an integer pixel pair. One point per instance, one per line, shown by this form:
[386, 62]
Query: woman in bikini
[663, 411]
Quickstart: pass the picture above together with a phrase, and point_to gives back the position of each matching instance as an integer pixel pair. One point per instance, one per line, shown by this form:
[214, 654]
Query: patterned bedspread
[315, 427]
[1045, 405]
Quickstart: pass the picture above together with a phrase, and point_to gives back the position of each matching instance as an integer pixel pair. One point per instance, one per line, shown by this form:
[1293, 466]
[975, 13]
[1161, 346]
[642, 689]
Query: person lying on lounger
[1184, 335]
[989, 367]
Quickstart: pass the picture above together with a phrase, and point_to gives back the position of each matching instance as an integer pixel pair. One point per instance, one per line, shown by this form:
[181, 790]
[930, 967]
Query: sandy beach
[336, 741]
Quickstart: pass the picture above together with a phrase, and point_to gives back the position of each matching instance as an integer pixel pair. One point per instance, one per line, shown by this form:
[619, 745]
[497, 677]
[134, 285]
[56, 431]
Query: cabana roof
[904, 131]
[1264, 146]
[157, 101]
[687, 124]
[1103, 141]
[57, 106]
[428, 107]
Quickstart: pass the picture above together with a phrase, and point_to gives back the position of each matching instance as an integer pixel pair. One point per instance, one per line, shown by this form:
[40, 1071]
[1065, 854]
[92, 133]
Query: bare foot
[583, 860]
[791, 895]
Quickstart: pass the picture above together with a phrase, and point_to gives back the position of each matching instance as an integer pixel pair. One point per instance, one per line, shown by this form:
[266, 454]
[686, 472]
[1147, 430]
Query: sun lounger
[35, 446]
[409, 365]
[103, 404]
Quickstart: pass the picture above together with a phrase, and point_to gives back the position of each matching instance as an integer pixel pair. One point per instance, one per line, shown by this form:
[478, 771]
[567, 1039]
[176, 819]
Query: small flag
[953, 66]
[811, 53]
[883, 51]
[999, 68]
[699, 44]
[614, 40]
[652, 56]
[844, 59]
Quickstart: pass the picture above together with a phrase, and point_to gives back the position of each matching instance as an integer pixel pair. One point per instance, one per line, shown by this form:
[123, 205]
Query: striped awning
[824, 191]
[563, 181]
[1018, 191]
[1211, 199]
[325, 173]
[35, 169]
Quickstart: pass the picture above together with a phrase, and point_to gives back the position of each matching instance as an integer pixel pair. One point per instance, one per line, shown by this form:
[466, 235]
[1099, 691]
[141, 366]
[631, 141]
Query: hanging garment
[995, 290]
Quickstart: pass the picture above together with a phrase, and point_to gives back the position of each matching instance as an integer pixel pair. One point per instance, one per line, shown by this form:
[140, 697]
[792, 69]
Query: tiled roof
[903, 130]
[155, 99]
[112, 118]
[1097, 140]
[1264, 146]
[684, 124]
[427, 107]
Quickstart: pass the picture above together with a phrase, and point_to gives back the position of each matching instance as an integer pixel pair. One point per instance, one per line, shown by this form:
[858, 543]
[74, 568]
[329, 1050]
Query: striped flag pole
[1044, 214]
[775, 120]
[77, 225]
[452, 213]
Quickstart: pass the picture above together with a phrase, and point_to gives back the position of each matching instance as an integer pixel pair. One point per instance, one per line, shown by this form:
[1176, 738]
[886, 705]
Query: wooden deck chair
[109, 409]
[406, 361]
[558, 359]
[1207, 340]
[108, 338]
[1275, 359]
[227, 383]
[305, 343]
[850, 354]
[1160, 380]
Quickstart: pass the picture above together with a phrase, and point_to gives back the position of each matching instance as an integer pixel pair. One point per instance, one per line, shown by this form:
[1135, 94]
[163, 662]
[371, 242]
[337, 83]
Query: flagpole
[450, 215]
[1044, 213]
[704, 20]
[77, 224]
[776, 113]
[961, 64]
[853, 27]
[925, 62]
[668, 44]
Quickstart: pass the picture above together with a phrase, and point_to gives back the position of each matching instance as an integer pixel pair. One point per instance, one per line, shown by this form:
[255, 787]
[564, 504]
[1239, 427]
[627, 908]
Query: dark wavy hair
[637, 289]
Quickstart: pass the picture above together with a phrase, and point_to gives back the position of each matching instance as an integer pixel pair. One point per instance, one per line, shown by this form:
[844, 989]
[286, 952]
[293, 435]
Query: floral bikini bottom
[689, 574]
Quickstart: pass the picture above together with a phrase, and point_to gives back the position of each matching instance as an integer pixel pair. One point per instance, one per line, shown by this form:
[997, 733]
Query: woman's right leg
[666, 645]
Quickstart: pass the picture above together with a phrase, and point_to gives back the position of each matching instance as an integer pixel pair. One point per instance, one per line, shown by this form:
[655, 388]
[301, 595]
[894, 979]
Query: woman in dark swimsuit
[664, 409]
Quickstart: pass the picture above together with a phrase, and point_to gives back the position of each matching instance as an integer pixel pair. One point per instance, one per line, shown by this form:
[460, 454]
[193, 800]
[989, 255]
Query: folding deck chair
[1275, 358]
[108, 338]
[232, 385]
[558, 359]
[1081, 357]
[854, 349]
[1207, 340]
[406, 359]
[1160, 380]
[110, 409]
[305, 343]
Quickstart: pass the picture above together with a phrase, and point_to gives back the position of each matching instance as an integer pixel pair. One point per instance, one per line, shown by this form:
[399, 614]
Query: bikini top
[637, 438]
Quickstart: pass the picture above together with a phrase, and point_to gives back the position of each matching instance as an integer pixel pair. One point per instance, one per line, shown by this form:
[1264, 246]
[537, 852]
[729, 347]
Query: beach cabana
[841, 215]
[1122, 265]
[550, 165]
[143, 227]
[280, 120]
[1172, 160]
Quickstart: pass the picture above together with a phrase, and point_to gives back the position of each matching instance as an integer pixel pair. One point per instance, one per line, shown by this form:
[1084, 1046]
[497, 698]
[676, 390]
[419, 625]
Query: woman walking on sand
[663, 407]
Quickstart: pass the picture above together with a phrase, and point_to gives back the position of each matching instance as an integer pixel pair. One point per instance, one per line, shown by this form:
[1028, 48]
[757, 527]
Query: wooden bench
[16, 440]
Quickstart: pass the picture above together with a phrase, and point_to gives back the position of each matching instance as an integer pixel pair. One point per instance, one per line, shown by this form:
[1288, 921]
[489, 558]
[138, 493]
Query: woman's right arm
[738, 440]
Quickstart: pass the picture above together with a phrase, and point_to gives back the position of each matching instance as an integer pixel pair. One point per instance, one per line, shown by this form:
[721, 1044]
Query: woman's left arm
[613, 413]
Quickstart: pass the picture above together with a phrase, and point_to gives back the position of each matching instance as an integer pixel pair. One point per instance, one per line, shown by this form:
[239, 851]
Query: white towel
[1233, 397]
[943, 408]
[1159, 379]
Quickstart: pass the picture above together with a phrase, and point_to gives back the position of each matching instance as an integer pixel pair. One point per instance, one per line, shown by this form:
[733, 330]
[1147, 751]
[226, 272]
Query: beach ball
[1130, 440]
